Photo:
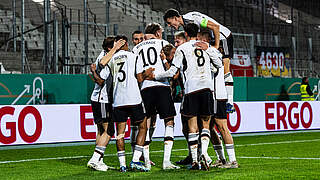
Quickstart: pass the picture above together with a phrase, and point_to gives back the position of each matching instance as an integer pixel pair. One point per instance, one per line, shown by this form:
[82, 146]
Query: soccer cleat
[123, 169]
[230, 108]
[138, 166]
[185, 161]
[230, 165]
[169, 165]
[142, 159]
[97, 165]
[204, 163]
[217, 163]
[195, 166]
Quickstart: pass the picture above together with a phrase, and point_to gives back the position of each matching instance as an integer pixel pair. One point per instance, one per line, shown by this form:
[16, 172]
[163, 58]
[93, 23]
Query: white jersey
[149, 56]
[196, 17]
[220, 92]
[125, 85]
[100, 93]
[194, 65]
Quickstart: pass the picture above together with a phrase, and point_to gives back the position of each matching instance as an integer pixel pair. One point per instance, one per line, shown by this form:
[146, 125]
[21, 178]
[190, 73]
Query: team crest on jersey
[198, 53]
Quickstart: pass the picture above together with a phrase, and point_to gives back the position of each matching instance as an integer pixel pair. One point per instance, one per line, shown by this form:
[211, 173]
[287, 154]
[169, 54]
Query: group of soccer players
[138, 85]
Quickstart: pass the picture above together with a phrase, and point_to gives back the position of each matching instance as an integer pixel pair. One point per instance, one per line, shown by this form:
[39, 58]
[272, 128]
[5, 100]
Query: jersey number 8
[199, 55]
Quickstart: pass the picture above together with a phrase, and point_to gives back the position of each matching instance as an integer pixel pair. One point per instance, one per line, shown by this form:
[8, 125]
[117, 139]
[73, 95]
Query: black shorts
[158, 99]
[101, 112]
[198, 103]
[135, 112]
[220, 110]
[226, 47]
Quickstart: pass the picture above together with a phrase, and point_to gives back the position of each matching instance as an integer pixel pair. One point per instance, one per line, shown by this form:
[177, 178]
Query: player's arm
[145, 75]
[205, 23]
[171, 72]
[117, 45]
[214, 54]
[96, 76]
[164, 59]
[142, 74]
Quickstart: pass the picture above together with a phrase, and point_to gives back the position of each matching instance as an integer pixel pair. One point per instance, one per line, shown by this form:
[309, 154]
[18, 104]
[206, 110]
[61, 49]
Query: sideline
[8, 147]
[161, 151]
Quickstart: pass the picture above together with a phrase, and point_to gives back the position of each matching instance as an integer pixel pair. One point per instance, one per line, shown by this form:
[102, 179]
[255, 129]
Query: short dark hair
[205, 32]
[167, 49]
[304, 80]
[191, 29]
[170, 13]
[108, 43]
[152, 28]
[136, 32]
[118, 37]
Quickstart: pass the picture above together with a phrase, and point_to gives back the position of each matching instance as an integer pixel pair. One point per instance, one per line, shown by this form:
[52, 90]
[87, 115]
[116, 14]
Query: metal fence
[65, 36]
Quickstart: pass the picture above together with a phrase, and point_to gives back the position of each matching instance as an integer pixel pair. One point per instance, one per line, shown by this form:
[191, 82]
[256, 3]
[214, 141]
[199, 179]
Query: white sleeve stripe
[103, 110]
[225, 46]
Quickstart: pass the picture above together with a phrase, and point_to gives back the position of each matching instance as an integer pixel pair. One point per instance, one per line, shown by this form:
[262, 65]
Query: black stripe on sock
[205, 135]
[217, 147]
[168, 138]
[230, 147]
[147, 143]
[229, 83]
[191, 143]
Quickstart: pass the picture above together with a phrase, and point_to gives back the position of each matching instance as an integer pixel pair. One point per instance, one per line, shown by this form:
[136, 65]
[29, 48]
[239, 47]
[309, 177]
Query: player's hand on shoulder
[93, 67]
[202, 45]
[119, 44]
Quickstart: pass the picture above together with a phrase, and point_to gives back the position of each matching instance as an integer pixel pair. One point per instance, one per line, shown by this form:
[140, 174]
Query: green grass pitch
[274, 156]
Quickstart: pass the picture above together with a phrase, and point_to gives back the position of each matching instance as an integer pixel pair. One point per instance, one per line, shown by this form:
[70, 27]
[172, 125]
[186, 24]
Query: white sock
[219, 152]
[137, 153]
[231, 153]
[205, 139]
[122, 158]
[229, 86]
[168, 143]
[98, 153]
[193, 143]
[146, 154]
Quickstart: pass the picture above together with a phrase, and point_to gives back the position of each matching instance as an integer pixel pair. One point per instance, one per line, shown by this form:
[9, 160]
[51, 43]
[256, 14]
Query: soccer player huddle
[138, 84]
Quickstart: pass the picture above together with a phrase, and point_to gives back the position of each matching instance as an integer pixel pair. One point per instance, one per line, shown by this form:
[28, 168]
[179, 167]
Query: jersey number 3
[154, 52]
[122, 72]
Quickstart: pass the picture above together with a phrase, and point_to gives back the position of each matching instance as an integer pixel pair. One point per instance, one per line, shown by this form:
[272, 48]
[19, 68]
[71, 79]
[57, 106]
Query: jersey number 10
[154, 52]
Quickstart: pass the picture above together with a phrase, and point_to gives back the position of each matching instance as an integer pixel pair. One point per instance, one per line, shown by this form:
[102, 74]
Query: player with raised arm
[127, 103]
[194, 66]
[156, 95]
[221, 35]
[101, 103]
[220, 117]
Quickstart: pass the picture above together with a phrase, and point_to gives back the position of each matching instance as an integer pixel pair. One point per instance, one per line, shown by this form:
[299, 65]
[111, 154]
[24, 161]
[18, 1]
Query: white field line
[161, 151]
[285, 158]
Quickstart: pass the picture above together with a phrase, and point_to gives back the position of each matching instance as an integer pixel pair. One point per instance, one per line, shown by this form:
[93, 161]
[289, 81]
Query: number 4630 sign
[272, 60]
